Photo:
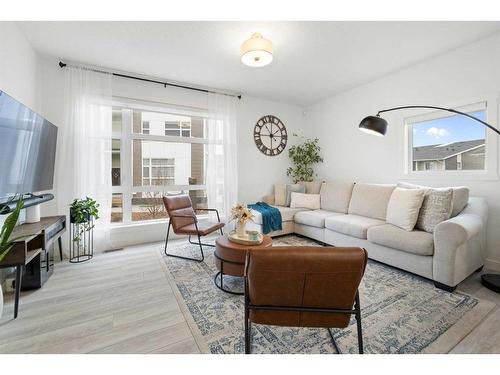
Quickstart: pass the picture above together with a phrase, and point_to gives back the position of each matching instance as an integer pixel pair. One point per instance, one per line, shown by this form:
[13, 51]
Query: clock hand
[269, 130]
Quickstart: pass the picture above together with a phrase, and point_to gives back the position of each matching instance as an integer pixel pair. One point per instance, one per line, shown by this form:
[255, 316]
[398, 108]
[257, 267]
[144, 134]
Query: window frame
[489, 104]
[127, 136]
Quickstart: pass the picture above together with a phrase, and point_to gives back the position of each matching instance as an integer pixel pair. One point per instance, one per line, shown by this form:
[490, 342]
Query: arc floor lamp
[376, 125]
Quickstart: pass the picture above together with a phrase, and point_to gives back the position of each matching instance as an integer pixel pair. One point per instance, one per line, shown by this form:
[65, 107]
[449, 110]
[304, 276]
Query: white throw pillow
[280, 194]
[300, 200]
[404, 206]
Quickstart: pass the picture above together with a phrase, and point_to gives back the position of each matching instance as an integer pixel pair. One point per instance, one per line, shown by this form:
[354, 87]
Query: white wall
[18, 71]
[257, 172]
[468, 73]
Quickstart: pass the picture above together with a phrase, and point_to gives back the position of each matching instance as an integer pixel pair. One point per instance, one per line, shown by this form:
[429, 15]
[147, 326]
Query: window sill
[449, 175]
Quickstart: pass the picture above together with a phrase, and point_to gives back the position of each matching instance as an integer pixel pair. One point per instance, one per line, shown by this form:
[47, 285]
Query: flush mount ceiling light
[257, 51]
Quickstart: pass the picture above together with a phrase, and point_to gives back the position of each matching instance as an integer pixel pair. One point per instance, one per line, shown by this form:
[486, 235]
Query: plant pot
[72, 218]
[240, 229]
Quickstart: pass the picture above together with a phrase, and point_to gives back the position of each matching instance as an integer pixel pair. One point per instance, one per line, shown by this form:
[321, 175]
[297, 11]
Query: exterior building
[466, 155]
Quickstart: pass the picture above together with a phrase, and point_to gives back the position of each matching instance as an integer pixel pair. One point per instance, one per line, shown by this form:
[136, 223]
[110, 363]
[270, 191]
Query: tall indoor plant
[6, 240]
[303, 157]
[82, 212]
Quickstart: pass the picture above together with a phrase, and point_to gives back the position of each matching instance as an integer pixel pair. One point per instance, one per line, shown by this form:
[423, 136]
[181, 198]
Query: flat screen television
[27, 149]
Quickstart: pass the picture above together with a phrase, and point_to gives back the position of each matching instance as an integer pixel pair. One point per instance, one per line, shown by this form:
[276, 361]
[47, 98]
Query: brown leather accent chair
[183, 220]
[304, 287]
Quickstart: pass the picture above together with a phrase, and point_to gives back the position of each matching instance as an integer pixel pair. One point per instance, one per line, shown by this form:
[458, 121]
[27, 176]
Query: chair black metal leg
[357, 307]
[334, 342]
[248, 333]
[196, 243]
[179, 256]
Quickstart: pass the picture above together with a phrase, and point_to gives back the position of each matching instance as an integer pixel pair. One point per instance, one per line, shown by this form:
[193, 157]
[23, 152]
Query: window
[443, 142]
[178, 129]
[155, 154]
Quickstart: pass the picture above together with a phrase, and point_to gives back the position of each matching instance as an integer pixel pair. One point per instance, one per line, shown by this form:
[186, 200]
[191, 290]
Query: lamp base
[491, 281]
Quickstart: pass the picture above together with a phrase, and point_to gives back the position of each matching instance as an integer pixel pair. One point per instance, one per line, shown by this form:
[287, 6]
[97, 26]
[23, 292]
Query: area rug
[401, 312]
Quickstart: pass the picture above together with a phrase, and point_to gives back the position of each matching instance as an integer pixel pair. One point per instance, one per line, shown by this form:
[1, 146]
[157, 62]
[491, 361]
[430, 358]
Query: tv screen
[27, 149]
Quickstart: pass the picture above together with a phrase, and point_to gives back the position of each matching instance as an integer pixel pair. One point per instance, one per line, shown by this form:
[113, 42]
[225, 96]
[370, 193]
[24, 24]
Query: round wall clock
[270, 135]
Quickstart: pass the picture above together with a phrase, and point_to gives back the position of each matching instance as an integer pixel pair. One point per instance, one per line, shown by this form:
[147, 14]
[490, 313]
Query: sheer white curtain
[84, 154]
[222, 158]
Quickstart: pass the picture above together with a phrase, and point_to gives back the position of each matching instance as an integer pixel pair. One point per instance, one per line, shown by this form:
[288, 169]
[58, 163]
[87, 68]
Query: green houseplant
[83, 212]
[303, 157]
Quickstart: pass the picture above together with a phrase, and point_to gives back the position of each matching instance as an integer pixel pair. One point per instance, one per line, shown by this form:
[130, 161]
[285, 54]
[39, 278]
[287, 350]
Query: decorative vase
[240, 229]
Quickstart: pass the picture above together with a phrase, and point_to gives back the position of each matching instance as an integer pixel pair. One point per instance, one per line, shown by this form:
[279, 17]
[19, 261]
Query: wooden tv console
[33, 254]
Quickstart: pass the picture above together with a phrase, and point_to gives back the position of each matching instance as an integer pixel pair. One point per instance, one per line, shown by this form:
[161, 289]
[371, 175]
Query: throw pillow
[300, 200]
[404, 207]
[280, 195]
[296, 188]
[436, 207]
[460, 195]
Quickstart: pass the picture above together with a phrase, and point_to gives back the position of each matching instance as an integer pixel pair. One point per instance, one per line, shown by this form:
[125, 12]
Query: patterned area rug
[401, 312]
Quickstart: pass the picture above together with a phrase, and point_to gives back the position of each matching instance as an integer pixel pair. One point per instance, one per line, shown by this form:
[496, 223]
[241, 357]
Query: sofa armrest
[269, 199]
[459, 244]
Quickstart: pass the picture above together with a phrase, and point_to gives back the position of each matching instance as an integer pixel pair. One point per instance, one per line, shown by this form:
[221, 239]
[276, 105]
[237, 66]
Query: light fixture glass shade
[257, 51]
[374, 125]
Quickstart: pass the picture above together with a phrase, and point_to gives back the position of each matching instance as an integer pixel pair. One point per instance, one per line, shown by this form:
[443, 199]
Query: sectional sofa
[354, 214]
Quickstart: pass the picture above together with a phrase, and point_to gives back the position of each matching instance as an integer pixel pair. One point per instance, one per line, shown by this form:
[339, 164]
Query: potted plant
[6, 242]
[82, 213]
[242, 215]
[303, 157]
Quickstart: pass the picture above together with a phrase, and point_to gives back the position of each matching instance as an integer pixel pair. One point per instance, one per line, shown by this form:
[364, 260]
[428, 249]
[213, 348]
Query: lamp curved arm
[443, 109]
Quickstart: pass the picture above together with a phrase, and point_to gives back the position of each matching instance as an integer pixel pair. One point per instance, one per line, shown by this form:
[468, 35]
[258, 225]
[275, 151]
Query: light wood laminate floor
[122, 302]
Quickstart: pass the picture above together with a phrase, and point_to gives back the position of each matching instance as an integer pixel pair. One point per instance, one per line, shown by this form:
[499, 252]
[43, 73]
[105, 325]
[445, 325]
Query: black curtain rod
[164, 84]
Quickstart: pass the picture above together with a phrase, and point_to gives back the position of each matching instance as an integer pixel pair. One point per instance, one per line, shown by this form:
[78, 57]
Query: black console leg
[444, 286]
[19, 270]
[59, 243]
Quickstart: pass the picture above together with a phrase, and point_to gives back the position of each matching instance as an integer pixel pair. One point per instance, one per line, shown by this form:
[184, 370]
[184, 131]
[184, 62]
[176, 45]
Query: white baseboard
[493, 265]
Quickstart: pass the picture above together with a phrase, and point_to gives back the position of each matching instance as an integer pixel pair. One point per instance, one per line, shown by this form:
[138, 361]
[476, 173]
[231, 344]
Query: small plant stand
[81, 240]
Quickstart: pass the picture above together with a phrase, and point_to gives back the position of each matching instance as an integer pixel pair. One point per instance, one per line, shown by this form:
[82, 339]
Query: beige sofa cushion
[335, 196]
[280, 194]
[314, 218]
[352, 225]
[460, 195]
[370, 200]
[404, 206]
[287, 214]
[301, 200]
[312, 187]
[415, 242]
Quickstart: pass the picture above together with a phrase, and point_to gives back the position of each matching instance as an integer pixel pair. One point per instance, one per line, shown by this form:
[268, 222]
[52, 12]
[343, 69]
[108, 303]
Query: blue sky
[450, 129]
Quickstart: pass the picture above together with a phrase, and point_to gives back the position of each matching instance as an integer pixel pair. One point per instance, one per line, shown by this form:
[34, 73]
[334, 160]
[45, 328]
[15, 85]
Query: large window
[442, 142]
[156, 153]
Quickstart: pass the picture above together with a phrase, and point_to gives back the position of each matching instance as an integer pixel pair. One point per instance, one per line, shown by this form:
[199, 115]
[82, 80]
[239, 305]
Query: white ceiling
[312, 60]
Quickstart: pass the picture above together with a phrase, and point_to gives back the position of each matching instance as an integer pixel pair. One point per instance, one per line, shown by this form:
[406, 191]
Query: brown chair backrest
[179, 205]
[306, 276]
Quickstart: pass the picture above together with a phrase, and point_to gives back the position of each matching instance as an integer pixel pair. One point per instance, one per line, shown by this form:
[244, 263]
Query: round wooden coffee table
[230, 259]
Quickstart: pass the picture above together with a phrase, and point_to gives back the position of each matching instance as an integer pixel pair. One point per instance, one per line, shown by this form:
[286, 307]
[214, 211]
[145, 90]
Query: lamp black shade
[373, 125]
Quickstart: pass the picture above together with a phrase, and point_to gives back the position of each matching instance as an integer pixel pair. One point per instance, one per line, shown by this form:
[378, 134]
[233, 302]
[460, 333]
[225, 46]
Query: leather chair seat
[204, 229]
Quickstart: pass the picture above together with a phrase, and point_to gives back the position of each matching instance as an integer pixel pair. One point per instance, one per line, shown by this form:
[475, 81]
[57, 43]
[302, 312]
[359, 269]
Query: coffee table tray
[244, 240]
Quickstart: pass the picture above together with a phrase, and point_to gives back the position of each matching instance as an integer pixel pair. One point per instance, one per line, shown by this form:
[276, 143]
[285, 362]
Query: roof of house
[444, 151]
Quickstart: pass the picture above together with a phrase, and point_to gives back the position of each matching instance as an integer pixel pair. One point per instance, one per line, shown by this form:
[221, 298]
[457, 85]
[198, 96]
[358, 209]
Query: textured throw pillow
[460, 196]
[279, 194]
[300, 200]
[296, 188]
[404, 207]
[436, 207]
